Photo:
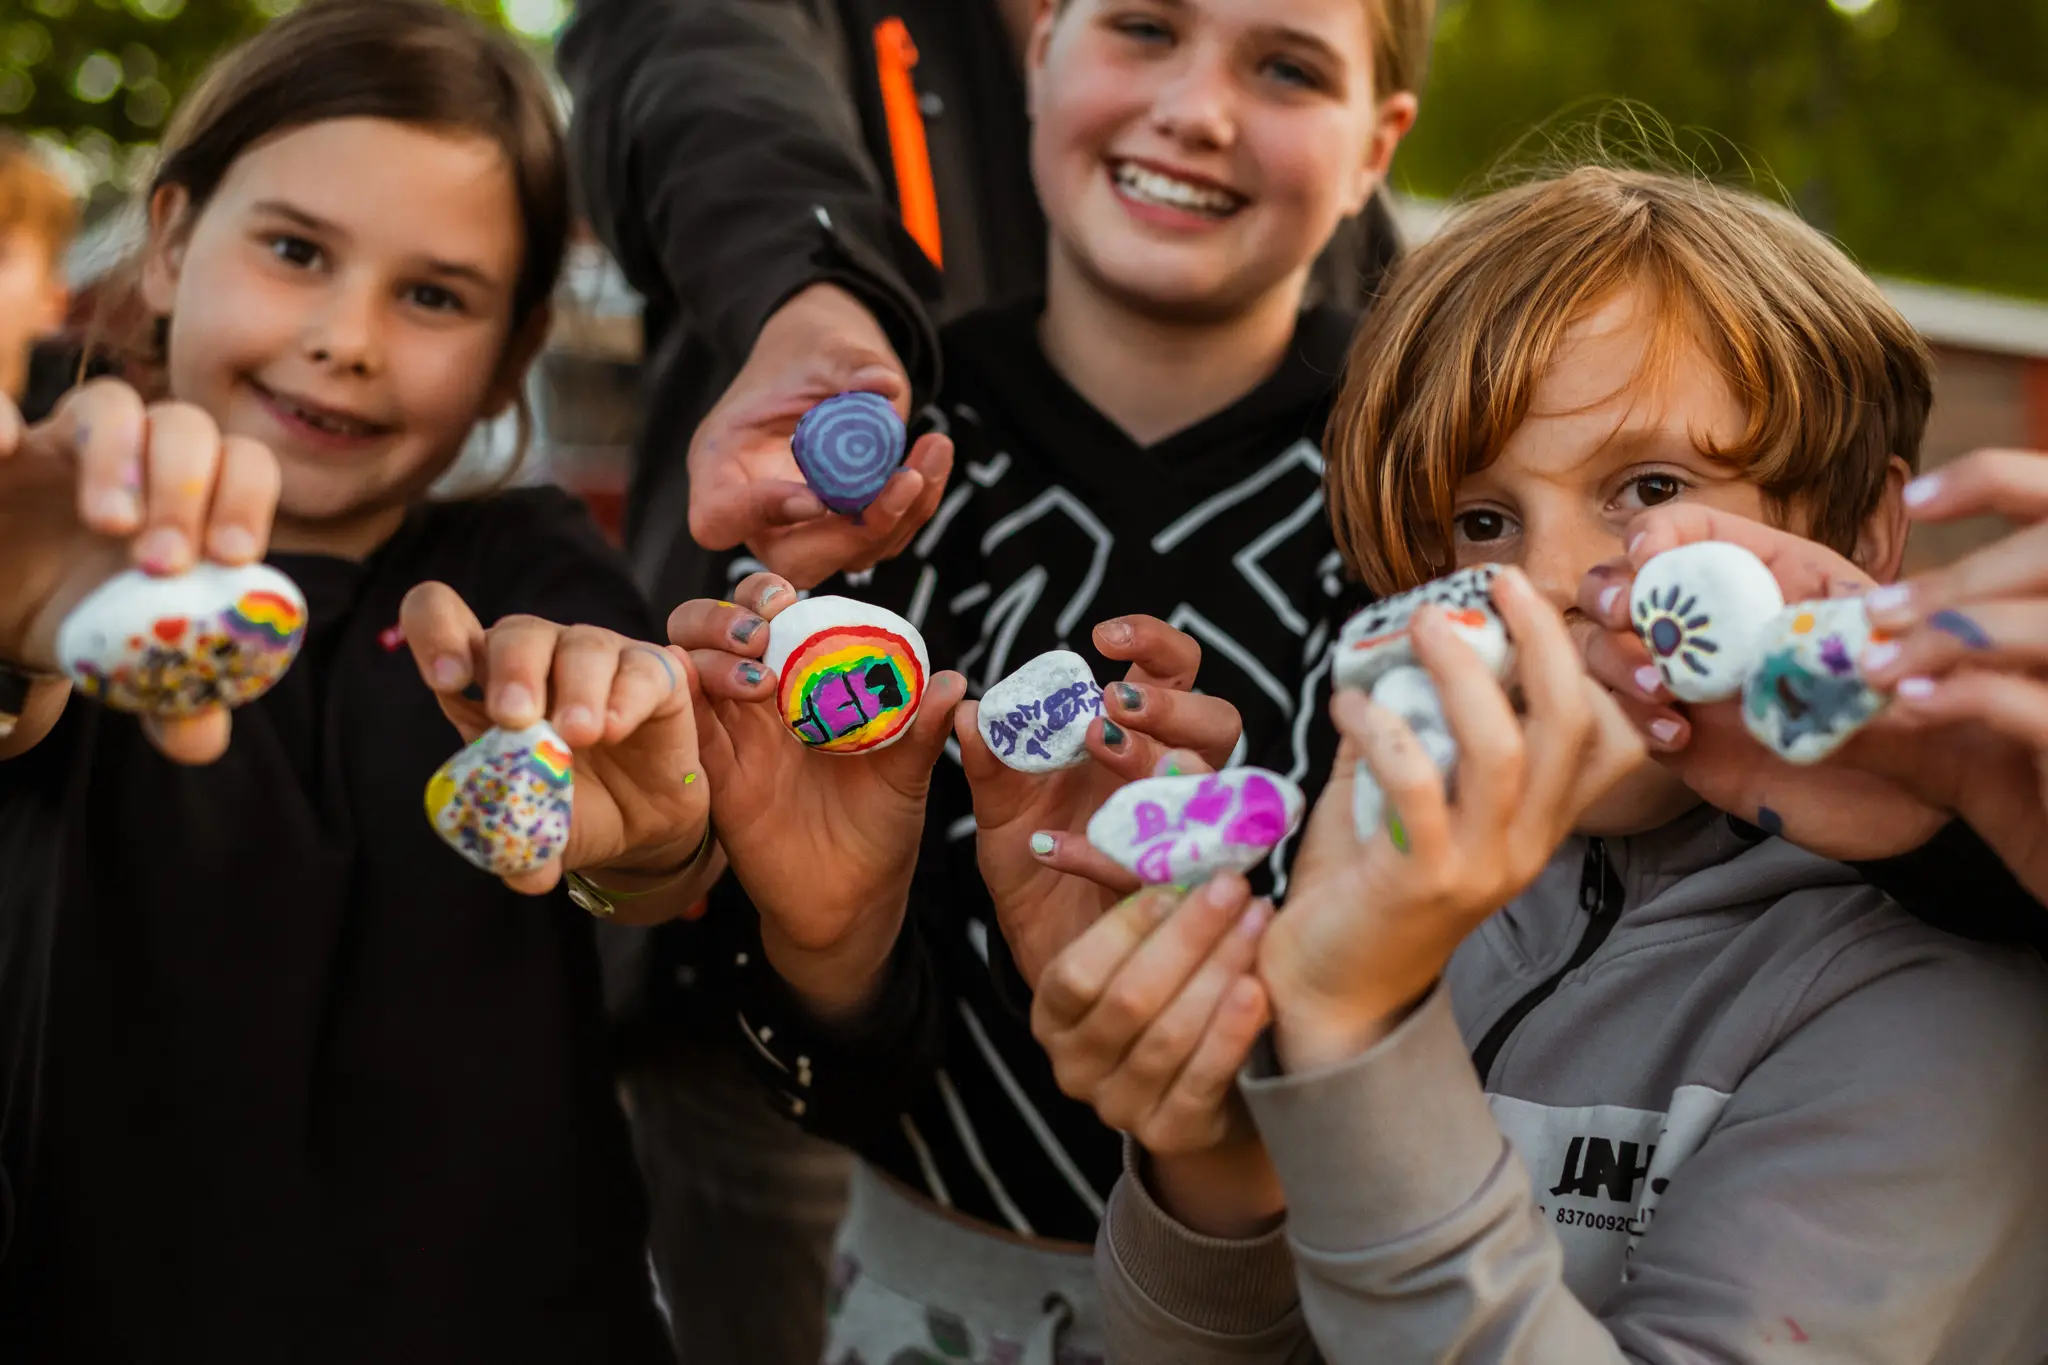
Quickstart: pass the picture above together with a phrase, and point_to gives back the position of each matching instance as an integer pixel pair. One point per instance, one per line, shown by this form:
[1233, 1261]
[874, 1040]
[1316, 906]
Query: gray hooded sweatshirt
[1692, 1098]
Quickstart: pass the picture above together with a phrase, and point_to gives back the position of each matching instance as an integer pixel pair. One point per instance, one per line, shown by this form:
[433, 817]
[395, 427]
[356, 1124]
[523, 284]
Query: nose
[345, 332]
[1556, 557]
[1196, 106]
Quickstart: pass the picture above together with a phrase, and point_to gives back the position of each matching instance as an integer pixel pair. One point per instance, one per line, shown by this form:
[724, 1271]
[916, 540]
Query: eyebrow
[314, 223]
[1301, 37]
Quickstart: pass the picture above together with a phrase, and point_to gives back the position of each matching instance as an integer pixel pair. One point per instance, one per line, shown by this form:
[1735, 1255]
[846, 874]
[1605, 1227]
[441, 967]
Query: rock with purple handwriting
[1186, 829]
[1036, 720]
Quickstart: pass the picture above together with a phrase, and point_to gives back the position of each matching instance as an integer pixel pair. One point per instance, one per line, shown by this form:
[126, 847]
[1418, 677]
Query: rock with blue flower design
[1704, 610]
[1806, 697]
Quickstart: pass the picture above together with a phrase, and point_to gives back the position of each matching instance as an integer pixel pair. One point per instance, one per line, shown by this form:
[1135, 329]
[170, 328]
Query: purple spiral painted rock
[847, 447]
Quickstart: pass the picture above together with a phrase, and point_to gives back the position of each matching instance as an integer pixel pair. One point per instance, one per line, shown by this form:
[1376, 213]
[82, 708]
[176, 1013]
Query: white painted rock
[1036, 720]
[1183, 830]
[1410, 693]
[1805, 698]
[1376, 639]
[1703, 610]
[850, 676]
[173, 646]
[504, 801]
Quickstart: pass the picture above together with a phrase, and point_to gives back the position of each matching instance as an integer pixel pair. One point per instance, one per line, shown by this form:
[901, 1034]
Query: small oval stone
[505, 801]
[847, 447]
[1036, 720]
[1376, 639]
[1806, 698]
[1183, 830]
[1703, 610]
[849, 676]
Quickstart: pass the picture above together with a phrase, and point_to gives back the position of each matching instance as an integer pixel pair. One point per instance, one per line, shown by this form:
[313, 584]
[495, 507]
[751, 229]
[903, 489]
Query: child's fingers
[1804, 568]
[1158, 971]
[1126, 753]
[2007, 483]
[1492, 753]
[1157, 653]
[1553, 679]
[244, 502]
[182, 459]
[651, 681]
[1200, 1095]
[932, 460]
[728, 677]
[2009, 704]
[538, 882]
[1603, 593]
[1988, 633]
[2015, 566]
[519, 659]
[191, 740]
[444, 635]
[1070, 853]
[1208, 725]
[1402, 767]
[907, 764]
[1074, 981]
[101, 425]
[585, 666]
[704, 624]
[1619, 660]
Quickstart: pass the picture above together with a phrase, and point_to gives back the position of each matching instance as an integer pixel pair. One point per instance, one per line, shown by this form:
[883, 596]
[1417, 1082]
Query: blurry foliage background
[1916, 131]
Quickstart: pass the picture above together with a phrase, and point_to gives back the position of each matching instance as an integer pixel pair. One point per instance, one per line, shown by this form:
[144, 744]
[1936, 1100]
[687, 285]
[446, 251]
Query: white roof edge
[1967, 319]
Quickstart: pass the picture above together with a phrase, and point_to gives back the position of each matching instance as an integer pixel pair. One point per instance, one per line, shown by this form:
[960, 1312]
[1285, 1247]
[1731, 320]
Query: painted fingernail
[1648, 680]
[1878, 656]
[117, 505]
[514, 699]
[1112, 734]
[1890, 597]
[750, 674]
[768, 595]
[1664, 731]
[1949, 621]
[1637, 539]
[231, 543]
[448, 673]
[161, 550]
[1915, 689]
[1922, 490]
[1128, 697]
[1608, 597]
[574, 718]
[746, 627]
[1044, 845]
[1252, 922]
[1769, 821]
[1117, 632]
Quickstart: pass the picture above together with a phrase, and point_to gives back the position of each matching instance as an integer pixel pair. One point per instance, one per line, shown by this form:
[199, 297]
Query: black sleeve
[546, 557]
[1955, 882]
[719, 158]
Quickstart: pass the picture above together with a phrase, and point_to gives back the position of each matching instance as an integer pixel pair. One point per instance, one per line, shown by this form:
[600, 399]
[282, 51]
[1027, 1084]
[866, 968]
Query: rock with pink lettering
[1186, 829]
[1036, 720]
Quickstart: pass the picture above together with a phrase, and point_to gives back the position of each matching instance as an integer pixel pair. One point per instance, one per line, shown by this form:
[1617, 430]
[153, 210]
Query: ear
[1042, 21]
[170, 231]
[520, 354]
[1881, 549]
[1391, 121]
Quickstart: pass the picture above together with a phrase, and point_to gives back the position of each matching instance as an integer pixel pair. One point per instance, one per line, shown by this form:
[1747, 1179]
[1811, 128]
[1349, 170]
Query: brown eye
[1482, 525]
[1652, 489]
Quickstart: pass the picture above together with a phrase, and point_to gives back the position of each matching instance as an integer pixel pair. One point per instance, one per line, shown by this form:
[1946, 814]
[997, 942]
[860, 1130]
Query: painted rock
[1036, 720]
[173, 646]
[1376, 639]
[850, 676]
[504, 801]
[1805, 698]
[1183, 830]
[1704, 610]
[847, 447]
[1410, 693]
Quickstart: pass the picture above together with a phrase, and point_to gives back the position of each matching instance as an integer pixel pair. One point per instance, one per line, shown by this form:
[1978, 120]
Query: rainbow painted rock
[1183, 830]
[847, 447]
[1805, 697]
[1704, 610]
[505, 801]
[849, 676]
[176, 645]
[1376, 639]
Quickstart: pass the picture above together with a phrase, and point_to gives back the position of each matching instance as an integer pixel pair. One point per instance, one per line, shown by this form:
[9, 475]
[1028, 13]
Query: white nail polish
[1044, 844]
[1921, 491]
[1878, 655]
[1664, 731]
[1608, 597]
[1915, 689]
[1888, 598]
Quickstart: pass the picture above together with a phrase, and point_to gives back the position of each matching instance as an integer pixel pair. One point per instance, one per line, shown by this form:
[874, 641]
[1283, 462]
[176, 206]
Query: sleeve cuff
[1231, 1288]
[1381, 1146]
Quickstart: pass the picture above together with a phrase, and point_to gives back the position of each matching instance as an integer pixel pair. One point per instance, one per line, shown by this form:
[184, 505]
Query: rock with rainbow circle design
[177, 644]
[847, 447]
[1704, 611]
[849, 676]
[1186, 829]
[1805, 697]
[504, 802]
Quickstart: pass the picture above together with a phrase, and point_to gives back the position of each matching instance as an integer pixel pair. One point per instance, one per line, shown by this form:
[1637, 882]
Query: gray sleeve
[1872, 1191]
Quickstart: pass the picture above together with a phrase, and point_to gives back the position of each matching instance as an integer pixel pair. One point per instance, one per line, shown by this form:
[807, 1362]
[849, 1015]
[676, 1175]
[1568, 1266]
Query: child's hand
[1369, 926]
[623, 706]
[1040, 908]
[106, 481]
[824, 843]
[1150, 1013]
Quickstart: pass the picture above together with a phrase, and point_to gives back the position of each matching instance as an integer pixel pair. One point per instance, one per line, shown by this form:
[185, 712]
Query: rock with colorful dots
[1805, 697]
[847, 447]
[1704, 610]
[504, 802]
[849, 676]
[177, 644]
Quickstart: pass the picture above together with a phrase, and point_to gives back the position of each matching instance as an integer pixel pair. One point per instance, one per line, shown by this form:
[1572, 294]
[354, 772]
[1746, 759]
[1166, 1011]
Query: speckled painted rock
[1184, 830]
[1703, 610]
[1411, 694]
[1376, 639]
[1036, 720]
[173, 646]
[504, 802]
[1805, 698]
[850, 676]
[847, 447]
